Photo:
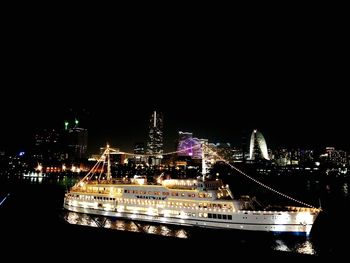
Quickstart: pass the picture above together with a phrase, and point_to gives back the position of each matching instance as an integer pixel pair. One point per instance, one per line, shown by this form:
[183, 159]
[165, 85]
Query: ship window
[224, 216]
[210, 215]
[214, 216]
[229, 217]
[219, 216]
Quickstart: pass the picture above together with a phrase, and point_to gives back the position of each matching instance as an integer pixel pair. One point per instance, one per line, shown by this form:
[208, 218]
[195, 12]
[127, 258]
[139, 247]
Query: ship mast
[108, 163]
[204, 164]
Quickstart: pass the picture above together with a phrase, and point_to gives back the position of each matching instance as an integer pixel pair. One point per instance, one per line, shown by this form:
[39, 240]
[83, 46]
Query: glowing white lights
[260, 183]
[39, 168]
[304, 218]
[191, 202]
[108, 207]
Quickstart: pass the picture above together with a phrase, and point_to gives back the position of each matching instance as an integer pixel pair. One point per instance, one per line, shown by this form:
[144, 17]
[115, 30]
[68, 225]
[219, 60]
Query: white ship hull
[267, 221]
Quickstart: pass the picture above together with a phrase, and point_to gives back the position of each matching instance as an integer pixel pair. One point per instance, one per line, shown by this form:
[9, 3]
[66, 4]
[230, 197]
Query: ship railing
[112, 181]
[291, 209]
[180, 187]
[301, 209]
[85, 190]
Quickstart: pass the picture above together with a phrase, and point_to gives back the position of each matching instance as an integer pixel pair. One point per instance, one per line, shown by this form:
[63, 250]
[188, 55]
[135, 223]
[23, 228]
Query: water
[32, 216]
[124, 225]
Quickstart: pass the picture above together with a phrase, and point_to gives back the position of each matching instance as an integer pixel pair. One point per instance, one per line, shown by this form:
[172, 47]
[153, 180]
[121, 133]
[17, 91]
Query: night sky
[287, 82]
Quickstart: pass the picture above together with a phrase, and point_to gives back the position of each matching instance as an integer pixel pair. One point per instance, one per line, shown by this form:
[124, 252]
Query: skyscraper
[155, 135]
[76, 139]
[257, 147]
[77, 143]
[139, 150]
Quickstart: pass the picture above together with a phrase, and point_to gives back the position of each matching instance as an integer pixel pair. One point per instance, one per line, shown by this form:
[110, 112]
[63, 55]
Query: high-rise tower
[155, 135]
[76, 140]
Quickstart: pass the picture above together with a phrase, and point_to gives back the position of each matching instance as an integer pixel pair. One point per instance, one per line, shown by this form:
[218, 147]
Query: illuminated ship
[200, 203]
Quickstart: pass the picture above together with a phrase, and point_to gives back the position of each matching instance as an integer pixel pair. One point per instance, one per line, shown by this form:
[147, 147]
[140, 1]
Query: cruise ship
[190, 202]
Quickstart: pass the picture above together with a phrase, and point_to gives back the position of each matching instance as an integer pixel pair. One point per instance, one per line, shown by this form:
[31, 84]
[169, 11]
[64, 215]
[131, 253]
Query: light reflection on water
[123, 225]
[66, 181]
[281, 246]
[306, 248]
[287, 244]
[301, 247]
[345, 189]
[328, 190]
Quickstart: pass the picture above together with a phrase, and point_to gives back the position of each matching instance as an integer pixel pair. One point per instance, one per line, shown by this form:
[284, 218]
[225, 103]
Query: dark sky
[287, 81]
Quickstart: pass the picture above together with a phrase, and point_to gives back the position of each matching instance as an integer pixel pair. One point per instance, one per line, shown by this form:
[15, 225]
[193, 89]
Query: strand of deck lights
[227, 162]
[92, 171]
[143, 155]
[102, 169]
[258, 182]
[149, 155]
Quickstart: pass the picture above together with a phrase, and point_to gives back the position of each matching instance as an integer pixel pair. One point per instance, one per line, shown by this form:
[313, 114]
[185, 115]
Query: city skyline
[287, 85]
[283, 75]
[123, 130]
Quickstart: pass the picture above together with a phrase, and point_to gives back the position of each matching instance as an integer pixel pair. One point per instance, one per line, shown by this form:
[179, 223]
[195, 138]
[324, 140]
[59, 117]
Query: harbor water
[33, 220]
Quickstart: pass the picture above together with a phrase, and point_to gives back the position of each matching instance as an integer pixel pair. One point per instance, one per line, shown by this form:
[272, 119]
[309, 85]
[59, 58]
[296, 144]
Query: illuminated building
[258, 147]
[139, 150]
[189, 146]
[48, 145]
[77, 139]
[334, 157]
[155, 137]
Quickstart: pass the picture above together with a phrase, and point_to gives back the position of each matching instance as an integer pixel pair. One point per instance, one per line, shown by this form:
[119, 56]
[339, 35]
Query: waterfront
[32, 217]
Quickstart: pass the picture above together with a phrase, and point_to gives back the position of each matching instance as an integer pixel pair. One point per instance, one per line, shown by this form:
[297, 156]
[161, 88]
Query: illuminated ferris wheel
[190, 147]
